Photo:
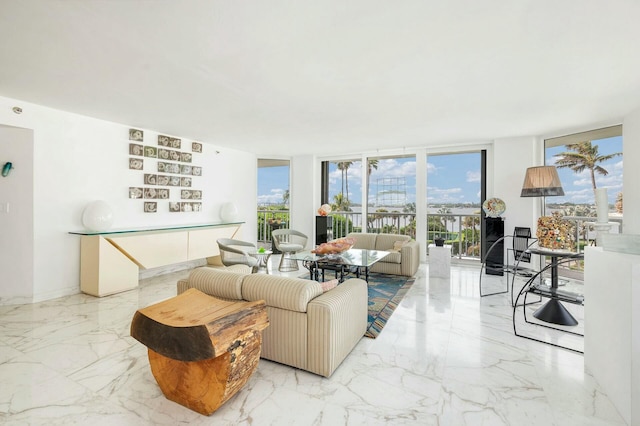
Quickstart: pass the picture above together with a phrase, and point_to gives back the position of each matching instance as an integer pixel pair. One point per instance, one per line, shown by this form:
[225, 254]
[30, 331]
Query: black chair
[521, 241]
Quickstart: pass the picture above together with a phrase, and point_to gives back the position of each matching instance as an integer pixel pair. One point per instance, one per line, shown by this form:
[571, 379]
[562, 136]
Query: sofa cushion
[392, 257]
[363, 240]
[281, 292]
[217, 282]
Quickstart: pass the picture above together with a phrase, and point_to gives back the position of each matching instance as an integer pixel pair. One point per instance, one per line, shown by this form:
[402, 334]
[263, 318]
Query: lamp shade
[542, 181]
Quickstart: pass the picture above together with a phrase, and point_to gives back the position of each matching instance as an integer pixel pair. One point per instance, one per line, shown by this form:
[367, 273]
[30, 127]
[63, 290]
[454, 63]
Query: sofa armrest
[410, 254]
[337, 320]
[183, 285]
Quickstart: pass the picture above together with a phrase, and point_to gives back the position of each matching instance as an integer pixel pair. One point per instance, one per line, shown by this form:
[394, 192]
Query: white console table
[110, 261]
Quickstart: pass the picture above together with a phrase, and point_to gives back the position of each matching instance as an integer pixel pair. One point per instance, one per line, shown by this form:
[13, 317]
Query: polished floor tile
[446, 357]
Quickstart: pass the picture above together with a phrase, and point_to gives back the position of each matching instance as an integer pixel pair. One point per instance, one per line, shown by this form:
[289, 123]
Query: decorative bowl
[494, 207]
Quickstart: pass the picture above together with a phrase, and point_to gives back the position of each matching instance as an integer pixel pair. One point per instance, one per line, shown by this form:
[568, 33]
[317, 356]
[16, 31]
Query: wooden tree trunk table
[202, 350]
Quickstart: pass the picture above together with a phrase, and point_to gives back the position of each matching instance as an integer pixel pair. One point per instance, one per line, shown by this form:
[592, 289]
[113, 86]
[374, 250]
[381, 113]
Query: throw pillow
[397, 246]
[328, 285]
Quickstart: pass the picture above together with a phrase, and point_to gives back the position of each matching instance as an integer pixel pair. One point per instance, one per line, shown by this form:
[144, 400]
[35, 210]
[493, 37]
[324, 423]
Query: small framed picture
[135, 149]
[150, 193]
[135, 192]
[164, 140]
[196, 194]
[174, 207]
[185, 157]
[185, 169]
[175, 143]
[196, 147]
[135, 135]
[163, 193]
[150, 207]
[150, 179]
[151, 151]
[163, 154]
[185, 194]
[196, 207]
[174, 155]
[136, 163]
[185, 181]
[174, 181]
[162, 180]
[185, 207]
[196, 171]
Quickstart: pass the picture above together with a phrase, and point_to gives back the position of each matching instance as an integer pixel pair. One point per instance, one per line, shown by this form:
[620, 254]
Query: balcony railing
[454, 228]
[268, 220]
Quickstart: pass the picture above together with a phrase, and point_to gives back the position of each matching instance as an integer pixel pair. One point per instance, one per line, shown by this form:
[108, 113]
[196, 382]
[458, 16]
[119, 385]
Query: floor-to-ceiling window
[453, 201]
[391, 195]
[273, 197]
[342, 190]
[587, 161]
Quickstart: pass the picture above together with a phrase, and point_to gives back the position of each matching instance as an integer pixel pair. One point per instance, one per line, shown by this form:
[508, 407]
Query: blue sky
[453, 178]
[577, 187]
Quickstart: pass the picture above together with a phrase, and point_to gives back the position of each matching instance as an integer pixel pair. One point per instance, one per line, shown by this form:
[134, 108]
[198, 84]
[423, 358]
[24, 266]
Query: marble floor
[446, 357]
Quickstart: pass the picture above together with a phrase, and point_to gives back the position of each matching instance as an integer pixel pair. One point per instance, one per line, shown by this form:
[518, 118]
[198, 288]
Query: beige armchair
[288, 241]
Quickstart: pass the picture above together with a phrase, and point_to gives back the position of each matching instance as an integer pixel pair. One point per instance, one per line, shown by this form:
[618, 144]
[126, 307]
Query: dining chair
[235, 252]
[289, 242]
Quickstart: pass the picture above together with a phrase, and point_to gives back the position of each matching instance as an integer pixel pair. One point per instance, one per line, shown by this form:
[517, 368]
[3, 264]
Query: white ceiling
[293, 77]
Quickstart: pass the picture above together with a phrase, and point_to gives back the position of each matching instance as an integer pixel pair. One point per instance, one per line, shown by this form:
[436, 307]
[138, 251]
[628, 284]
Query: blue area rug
[385, 294]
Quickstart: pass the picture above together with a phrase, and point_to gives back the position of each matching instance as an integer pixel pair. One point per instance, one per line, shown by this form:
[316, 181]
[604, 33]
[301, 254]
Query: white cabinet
[110, 261]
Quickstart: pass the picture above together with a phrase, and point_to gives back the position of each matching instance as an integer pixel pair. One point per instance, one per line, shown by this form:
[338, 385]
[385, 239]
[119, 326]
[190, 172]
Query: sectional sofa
[309, 329]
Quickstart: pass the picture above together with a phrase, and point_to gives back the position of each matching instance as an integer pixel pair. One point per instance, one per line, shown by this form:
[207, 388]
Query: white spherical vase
[229, 212]
[97, 216]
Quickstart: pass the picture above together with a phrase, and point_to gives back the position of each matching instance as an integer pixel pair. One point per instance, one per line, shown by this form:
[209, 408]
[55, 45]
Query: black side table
[274, 226]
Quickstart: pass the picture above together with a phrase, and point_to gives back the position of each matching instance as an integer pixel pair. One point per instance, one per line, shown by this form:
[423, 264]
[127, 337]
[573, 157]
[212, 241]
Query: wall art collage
[167, 173]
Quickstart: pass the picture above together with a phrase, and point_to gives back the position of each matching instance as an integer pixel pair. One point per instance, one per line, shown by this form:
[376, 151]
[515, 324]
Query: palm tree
[344, 166]
[342, 169]
[371, 166]
[285, 197]
[584, 155]
[340, 203]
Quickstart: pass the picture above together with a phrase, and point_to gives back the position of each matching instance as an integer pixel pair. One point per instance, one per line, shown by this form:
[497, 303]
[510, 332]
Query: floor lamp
[543, 181]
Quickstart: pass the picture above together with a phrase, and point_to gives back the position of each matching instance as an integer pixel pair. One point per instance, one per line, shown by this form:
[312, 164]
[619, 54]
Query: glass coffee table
[356, 261]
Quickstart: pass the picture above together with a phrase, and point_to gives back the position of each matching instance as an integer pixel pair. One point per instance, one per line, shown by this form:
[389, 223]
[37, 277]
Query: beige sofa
[308, 329]
[404, 261]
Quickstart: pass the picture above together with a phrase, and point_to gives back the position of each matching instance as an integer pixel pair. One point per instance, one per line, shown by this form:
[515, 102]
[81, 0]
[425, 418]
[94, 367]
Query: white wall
[77, 159]
[305, 195]
[16, 216]
[511, 157]
[631, 158]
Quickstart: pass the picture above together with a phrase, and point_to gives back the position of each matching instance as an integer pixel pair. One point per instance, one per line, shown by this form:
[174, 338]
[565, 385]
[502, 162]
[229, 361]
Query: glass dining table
[554, 311]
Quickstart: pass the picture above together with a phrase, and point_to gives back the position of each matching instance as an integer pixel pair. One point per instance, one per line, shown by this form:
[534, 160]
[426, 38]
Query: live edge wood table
[202, 350]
